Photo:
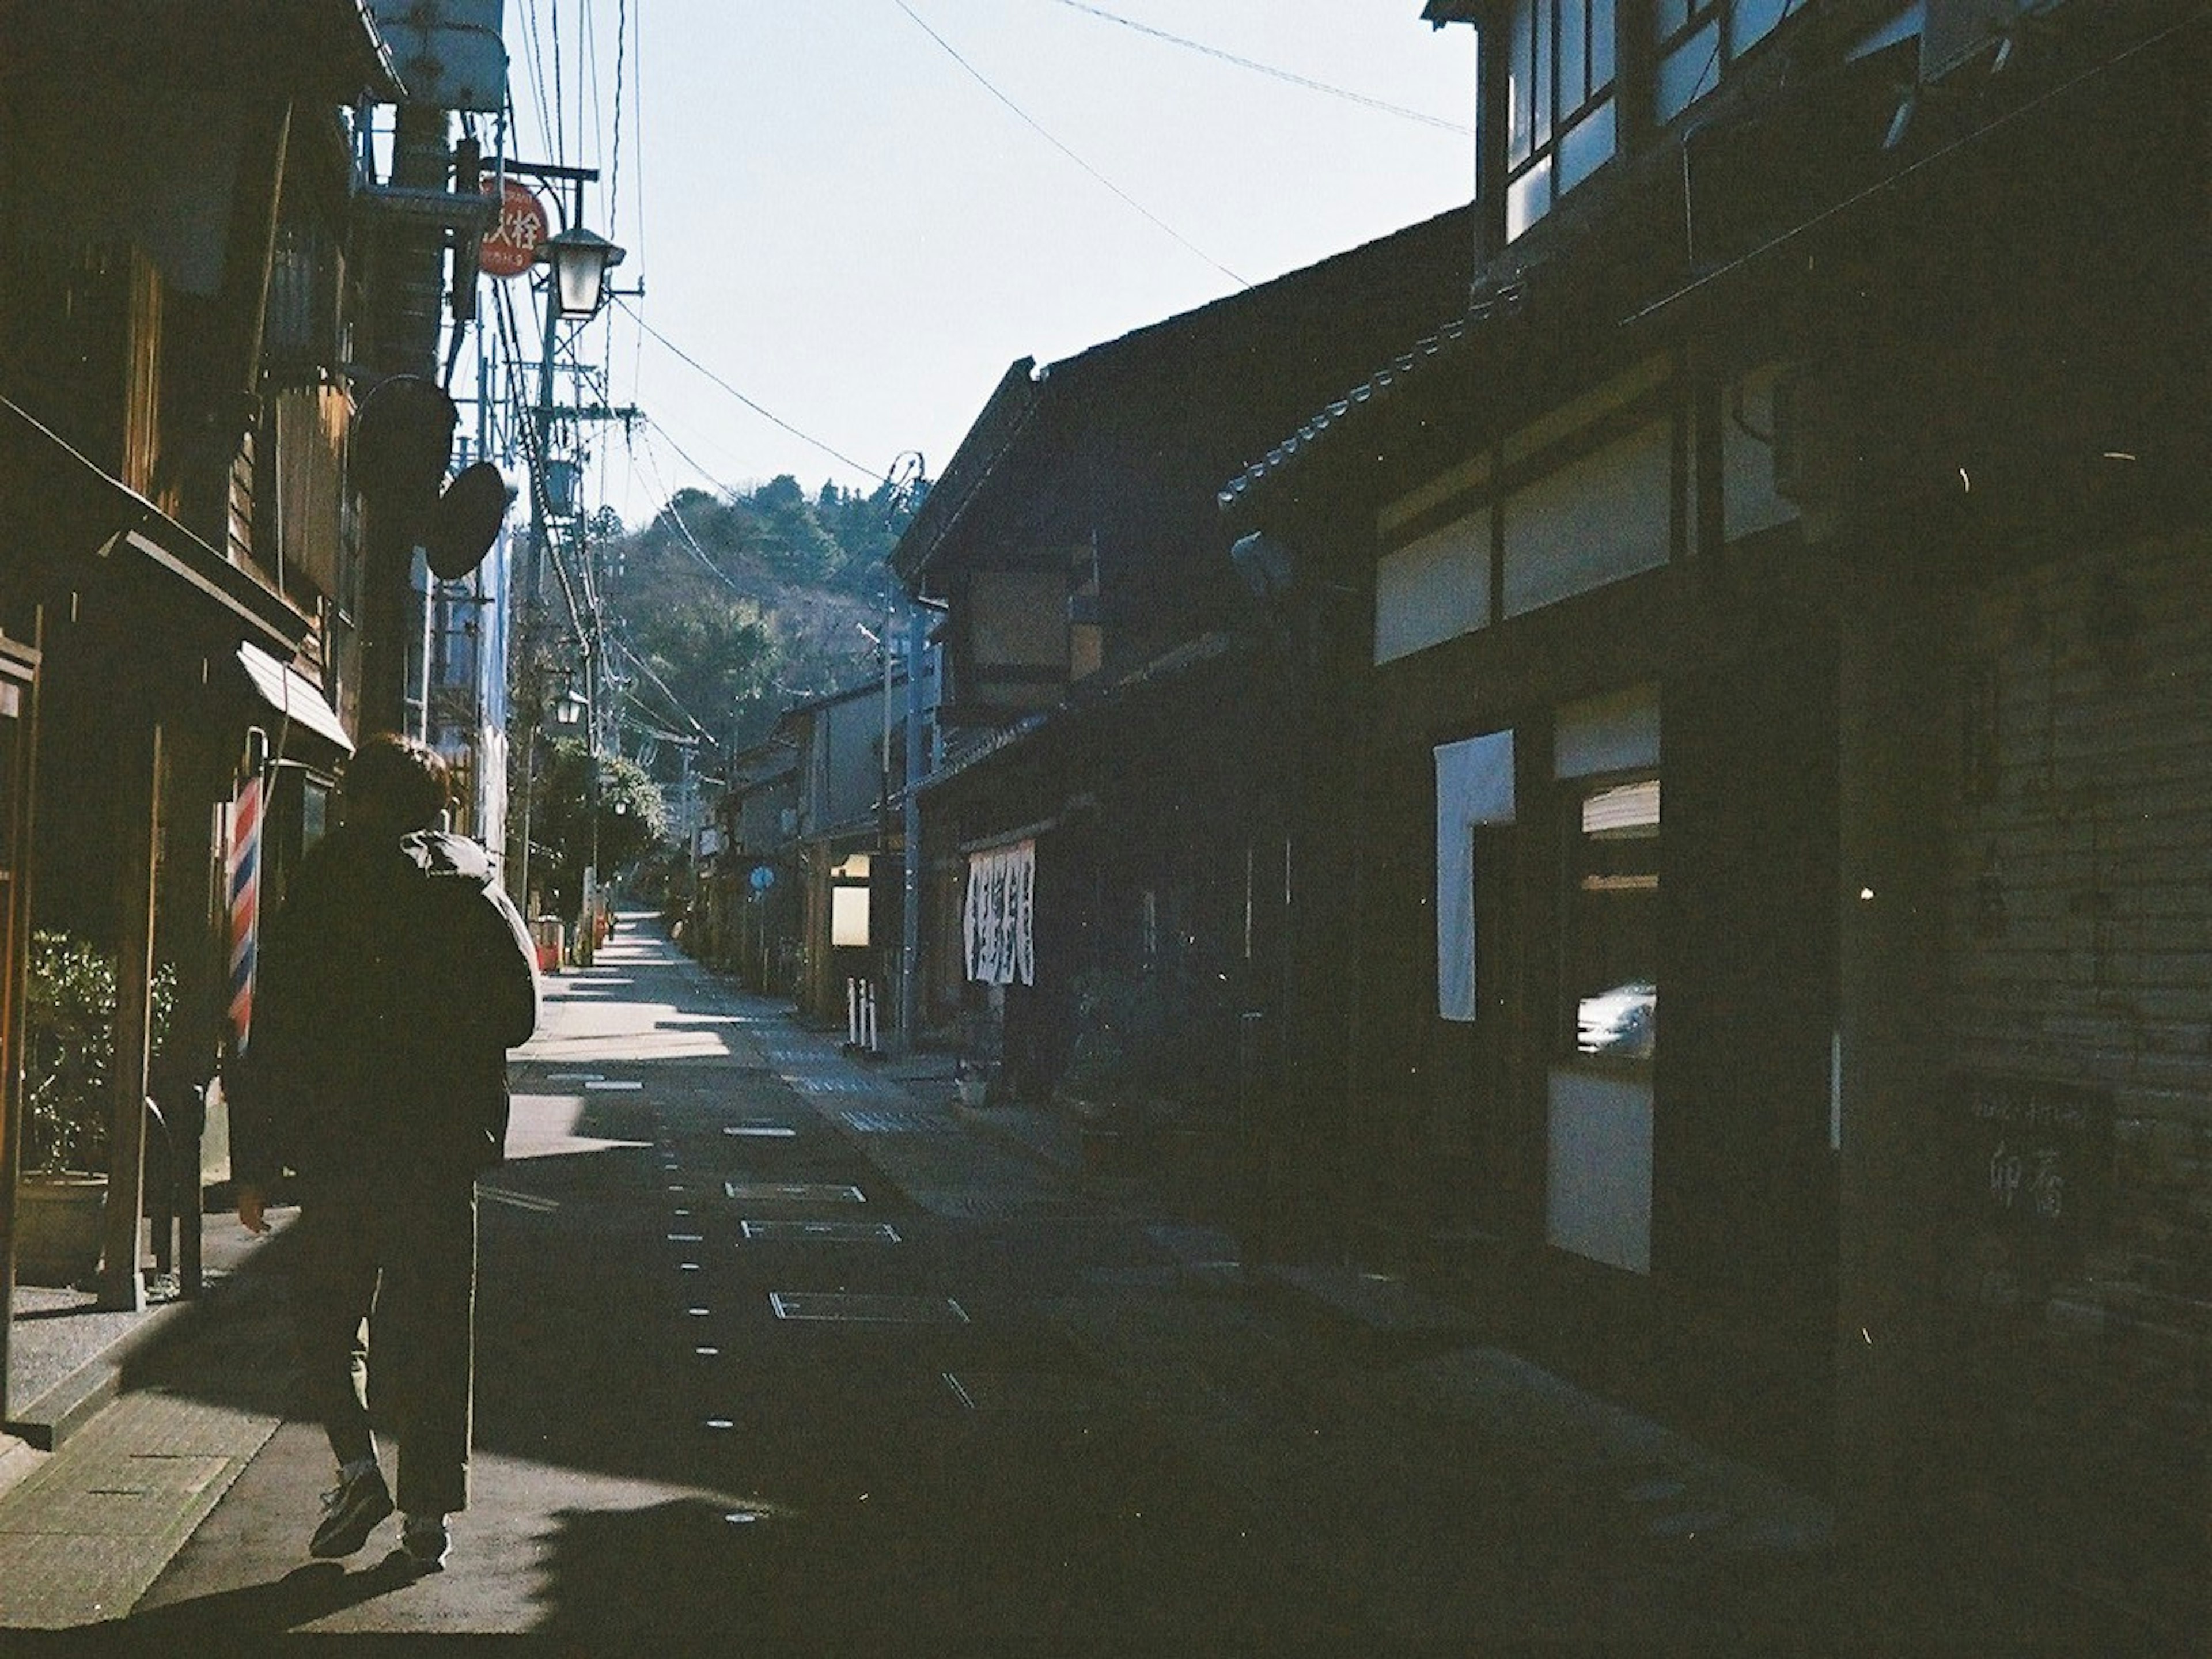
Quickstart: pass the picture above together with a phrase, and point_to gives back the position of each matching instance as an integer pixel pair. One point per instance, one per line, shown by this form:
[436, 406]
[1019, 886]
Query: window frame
[1738, 27]
[1574, 795]
[1534, 146]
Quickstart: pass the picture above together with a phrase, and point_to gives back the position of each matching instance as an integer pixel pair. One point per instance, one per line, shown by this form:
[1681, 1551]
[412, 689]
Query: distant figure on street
[394, 979]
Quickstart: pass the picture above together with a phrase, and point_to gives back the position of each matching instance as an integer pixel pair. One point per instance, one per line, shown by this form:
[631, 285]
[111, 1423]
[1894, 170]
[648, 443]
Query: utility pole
[910, 992]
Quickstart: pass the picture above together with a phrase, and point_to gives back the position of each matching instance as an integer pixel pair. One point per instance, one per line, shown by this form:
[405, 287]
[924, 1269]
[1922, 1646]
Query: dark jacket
[393, 980]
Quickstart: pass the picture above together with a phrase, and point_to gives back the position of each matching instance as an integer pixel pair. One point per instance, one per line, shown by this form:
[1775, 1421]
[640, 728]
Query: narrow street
[777, 1356]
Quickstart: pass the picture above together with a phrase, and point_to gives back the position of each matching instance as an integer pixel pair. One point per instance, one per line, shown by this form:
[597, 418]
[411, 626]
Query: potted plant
[69, 1059]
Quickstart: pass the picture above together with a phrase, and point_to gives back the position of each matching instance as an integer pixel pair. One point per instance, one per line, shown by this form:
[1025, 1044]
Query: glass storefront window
[1612, 932]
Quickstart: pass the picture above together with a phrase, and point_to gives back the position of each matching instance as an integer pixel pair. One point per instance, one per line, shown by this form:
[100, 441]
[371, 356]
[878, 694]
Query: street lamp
[580, 259]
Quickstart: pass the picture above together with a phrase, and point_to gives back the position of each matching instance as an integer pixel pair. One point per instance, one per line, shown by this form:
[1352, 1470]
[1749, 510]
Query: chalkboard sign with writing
[2038, 1155]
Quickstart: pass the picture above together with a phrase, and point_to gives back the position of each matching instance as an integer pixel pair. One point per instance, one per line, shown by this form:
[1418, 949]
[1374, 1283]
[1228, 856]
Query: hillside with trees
[728, 609]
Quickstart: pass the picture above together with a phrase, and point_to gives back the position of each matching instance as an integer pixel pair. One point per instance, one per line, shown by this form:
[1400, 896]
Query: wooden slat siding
[311, 426]
[2102, 975]
[139, 464]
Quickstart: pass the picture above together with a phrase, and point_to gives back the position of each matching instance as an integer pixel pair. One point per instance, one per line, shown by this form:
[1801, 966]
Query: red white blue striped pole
[245, 905]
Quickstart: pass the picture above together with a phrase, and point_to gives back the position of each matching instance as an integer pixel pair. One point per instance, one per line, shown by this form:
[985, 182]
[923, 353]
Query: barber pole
[245, 905]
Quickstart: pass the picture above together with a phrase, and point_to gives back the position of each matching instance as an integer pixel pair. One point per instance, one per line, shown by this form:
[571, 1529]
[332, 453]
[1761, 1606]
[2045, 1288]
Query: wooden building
[1778, 970]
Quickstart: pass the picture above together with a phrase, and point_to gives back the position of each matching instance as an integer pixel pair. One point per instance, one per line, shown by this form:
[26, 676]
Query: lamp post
[577, 261]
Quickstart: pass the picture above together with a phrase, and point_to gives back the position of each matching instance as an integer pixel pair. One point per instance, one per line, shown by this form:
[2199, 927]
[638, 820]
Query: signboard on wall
[510, 247]
[2038, 1157]
[450, 53]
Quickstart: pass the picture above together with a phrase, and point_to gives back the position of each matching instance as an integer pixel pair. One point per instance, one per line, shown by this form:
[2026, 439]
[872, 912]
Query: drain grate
[852, 1307]
[791, 1191]
[825, 1232]
[817, 1083]
[869, 1120]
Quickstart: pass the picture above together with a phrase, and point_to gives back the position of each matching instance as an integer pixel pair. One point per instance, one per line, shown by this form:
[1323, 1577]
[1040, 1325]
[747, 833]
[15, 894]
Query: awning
[296, 698]
[62, 509]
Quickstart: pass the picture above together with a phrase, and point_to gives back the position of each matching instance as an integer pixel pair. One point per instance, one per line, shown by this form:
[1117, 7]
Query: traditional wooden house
[1773, 621]
[746, 919]
[1098, 859]
[183, 311]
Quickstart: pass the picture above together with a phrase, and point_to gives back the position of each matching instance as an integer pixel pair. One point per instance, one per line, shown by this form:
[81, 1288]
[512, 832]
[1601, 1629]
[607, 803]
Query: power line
[1032, 122]
[1311, 85]
[674, 702]
[767, 414]
[683, 530]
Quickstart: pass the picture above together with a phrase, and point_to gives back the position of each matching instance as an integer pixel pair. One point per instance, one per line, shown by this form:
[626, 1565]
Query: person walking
[394, 977]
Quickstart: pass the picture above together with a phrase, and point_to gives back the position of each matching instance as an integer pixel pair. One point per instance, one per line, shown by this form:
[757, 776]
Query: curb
[69, 1404]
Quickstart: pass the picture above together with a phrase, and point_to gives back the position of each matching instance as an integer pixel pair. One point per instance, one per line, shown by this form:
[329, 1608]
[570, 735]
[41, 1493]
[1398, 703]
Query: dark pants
[397, 1263]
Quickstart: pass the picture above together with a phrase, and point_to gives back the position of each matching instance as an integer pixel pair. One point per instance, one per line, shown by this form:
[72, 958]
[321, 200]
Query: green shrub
[69, 1050]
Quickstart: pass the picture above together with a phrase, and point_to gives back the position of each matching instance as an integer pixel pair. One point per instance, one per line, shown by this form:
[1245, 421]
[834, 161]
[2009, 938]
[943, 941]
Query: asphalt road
[779, 1355]
[773, 1359]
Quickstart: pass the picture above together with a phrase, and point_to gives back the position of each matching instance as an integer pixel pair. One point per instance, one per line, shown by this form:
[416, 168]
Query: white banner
[1001, 943]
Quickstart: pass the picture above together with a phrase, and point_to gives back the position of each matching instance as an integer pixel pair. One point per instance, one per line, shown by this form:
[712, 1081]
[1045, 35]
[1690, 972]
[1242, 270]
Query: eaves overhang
[1005, 418]
[62, 509]
[1057, 723]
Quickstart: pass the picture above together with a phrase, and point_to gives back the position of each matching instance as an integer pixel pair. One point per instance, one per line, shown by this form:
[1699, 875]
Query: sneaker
[424, 1539]
[350, 1511]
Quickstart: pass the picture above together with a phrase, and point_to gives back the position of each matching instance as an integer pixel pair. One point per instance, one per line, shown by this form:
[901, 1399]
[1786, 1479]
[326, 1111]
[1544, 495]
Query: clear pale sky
[834, 216]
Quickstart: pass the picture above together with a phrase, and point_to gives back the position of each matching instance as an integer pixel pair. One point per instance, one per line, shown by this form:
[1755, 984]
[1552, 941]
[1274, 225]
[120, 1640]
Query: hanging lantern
[580, 259]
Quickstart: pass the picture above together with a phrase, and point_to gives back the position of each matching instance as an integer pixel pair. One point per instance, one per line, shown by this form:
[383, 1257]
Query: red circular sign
[510, 247]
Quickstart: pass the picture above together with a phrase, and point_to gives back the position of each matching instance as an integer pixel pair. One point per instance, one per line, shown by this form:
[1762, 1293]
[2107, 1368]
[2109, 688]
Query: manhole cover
[825, 1232]
[791, 1191]
[856, 1308]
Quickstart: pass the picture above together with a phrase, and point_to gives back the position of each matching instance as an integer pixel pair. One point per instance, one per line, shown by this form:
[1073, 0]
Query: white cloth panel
[1475, 786]
[1597, 1178]
[1595, 520]
[998, 925]
[848, 916]
[1433, 589]
[1616, 732]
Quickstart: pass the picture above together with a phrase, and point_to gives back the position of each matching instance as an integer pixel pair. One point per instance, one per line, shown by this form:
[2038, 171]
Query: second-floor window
[1694, 41]
[1560, 123]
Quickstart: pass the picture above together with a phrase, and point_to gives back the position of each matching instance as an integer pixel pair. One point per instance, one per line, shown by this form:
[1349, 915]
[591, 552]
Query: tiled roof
[1447, 345]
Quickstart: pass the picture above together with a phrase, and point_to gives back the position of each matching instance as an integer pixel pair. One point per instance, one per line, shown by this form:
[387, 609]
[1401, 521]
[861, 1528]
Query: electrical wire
[614, 166]
[1036, 126]
[684, 531]
[661, 685]
[767, 414]
[1349, 96]
[534, 56]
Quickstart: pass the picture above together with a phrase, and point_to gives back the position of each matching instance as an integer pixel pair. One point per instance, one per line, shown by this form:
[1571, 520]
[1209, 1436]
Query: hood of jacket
[442, 855]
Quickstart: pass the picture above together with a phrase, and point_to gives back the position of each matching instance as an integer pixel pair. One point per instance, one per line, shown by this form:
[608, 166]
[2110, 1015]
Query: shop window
[1611, 936]
[1559, 125]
